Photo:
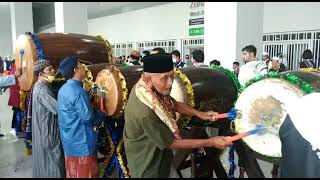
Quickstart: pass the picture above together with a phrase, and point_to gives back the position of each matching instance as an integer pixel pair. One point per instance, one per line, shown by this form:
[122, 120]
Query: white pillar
[220, 29]
[249, 27]
[5, 30]
[71, 17]
[229, 26]
[21, 19]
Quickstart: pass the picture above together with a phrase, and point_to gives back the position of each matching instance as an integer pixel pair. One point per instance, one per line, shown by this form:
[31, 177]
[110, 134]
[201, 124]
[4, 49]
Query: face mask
[50, 79]
[174, 60]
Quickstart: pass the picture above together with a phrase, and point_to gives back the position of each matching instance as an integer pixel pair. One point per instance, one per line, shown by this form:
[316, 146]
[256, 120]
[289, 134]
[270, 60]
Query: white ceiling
[99, 9]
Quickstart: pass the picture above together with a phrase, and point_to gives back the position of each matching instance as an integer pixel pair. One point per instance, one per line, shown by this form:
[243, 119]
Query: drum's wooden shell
[213, 89]
[313, 78]
[57, 46]
[111, 78]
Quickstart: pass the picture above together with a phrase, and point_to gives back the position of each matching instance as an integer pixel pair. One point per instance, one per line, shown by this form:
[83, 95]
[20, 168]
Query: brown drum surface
[57, 46]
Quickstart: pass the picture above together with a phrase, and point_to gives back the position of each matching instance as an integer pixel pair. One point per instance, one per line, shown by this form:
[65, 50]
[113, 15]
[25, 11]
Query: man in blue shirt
[76, 121]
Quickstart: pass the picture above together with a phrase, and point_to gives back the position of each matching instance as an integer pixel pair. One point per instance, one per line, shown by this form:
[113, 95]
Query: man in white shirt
[252, 67]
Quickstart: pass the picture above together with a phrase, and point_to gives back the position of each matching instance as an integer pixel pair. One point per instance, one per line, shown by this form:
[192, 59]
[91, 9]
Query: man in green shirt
[150, 132]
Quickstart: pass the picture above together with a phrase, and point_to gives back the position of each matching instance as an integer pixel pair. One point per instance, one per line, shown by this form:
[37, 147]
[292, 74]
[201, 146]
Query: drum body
[55, 47]
[264, 102]
[205, 88]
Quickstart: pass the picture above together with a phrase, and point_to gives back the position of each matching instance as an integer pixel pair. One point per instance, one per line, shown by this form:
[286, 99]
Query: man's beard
[166, 93]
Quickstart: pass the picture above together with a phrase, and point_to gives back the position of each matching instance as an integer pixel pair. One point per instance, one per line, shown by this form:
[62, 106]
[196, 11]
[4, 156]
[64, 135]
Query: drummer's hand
[207, 115]
[18, 72]
[220, 142]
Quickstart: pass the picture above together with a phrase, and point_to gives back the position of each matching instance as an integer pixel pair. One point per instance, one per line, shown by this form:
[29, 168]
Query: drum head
[113, 83]
[264, 102]
[24, 43]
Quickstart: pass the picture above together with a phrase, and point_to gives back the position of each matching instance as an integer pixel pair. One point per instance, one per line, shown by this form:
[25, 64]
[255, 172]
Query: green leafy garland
[292, 79]
[231, 75]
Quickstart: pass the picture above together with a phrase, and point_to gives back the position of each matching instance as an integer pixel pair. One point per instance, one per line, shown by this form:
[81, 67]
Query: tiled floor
[14, 163]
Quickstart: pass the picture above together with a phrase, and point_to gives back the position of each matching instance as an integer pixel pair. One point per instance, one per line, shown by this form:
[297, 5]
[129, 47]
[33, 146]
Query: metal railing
[291, 45]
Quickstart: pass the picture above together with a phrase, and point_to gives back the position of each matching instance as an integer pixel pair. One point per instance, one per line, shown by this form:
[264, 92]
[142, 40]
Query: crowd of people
[64, 131]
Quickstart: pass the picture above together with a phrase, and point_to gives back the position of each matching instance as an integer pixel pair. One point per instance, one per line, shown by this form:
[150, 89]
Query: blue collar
[72, 81]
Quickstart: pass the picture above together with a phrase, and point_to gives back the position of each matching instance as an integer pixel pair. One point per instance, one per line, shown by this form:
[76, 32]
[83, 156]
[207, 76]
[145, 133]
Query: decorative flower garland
[107, 44]
[125, 93]
[292, 79]
[120, 159]
[37, 44]
[190, 94]
[114, 156]
[89, 79]
[23, 96]
[309, 70]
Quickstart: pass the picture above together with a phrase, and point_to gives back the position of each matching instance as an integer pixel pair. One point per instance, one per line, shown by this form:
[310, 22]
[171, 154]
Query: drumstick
[260, 130]
[101, 104]
[21, 57]
[232, 114]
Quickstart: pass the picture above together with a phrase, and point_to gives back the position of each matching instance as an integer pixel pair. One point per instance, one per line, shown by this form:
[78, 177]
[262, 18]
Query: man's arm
[49, 102]
[220, 142]
[186, 109]
[86, 112]
[6, 81]
[163, 138]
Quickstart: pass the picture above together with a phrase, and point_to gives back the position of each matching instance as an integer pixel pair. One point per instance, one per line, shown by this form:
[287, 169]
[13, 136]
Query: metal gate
[291, 45]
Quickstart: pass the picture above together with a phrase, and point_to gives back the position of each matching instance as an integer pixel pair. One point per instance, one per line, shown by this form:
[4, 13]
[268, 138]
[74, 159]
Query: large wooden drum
[55, 47]
[204, 88]
[265, 101]
[207, 89]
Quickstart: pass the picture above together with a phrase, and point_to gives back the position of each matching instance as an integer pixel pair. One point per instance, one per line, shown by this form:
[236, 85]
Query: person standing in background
[307, 60]
[236, 68]
[14, 102]
[252, 68]
[176, 59]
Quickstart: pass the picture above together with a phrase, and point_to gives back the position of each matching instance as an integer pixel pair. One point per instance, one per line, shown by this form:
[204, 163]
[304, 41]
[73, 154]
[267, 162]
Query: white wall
[291, 16]
[249, 27]
[5, 30]
[71, 17]
[21, 19]
[220, 33]
[169, 21]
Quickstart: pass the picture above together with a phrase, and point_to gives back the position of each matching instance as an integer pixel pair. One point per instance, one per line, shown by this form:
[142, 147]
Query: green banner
[196, 31]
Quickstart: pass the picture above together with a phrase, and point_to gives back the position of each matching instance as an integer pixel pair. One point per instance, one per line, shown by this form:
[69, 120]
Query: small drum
[116, 82]
[55, 47]
[264, 102]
